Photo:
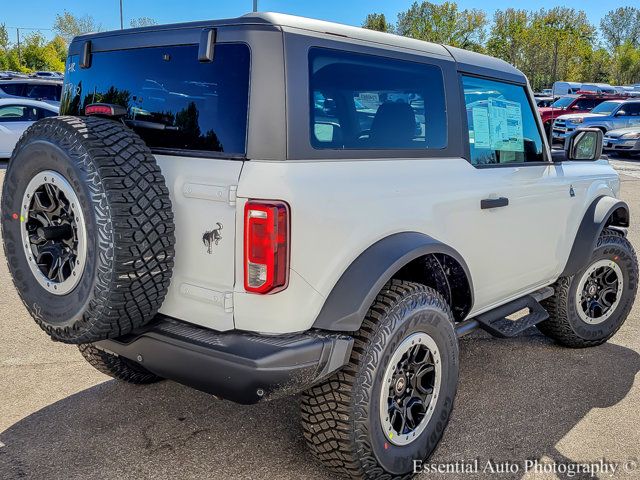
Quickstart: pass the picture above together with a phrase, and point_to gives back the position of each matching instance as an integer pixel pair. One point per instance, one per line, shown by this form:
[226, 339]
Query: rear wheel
[390, 405]
[589, 307]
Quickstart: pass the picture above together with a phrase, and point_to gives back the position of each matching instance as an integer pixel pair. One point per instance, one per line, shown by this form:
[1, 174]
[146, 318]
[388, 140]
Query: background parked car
[623, 141]
[565, 88]
[598, 88]
[544, 101]
[16, 115]
[37, 89]
[582, 102]
[609, 115]
[50, 75]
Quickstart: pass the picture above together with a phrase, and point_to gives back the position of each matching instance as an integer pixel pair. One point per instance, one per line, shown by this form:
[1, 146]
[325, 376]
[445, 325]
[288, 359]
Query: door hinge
[228, 302]
[233, 190]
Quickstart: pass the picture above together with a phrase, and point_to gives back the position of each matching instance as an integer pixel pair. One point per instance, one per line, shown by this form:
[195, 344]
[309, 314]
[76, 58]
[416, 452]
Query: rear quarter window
[172, 100]
[365, 102]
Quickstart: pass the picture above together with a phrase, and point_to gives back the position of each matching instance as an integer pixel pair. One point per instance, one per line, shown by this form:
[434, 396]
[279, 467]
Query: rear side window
[632, 109]
[587, 103]
[365, 102]
[18, 113]
[16, 89]
[502, 126]
[172, 100]
[44, 92]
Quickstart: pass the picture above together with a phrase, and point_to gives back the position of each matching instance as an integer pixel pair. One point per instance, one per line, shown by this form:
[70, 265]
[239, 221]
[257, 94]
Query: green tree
[4, 39]
[509, 36]
[444, 23]
[620, 26]
[377, 21]
[596, 67]
[558, 41]
[142, 22]
[60, 46]
[626, 64]
[68, 25]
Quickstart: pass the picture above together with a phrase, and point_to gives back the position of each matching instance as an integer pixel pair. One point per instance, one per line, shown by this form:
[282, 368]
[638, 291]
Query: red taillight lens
[99, 109]
[266, 246]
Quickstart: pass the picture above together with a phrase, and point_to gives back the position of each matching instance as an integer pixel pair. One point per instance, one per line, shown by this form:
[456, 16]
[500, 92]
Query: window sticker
[369, 100]
[505, 121]
[480, 136]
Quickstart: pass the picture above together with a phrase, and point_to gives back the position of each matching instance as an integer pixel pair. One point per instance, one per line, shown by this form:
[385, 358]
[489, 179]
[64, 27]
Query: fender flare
[602, 212]
[350, 299]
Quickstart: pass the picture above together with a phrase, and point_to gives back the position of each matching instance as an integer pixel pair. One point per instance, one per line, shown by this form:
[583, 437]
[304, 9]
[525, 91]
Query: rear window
[172, 100]
[366, 102]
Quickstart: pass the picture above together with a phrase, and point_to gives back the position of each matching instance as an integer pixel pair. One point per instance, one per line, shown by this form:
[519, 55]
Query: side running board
[496, 322]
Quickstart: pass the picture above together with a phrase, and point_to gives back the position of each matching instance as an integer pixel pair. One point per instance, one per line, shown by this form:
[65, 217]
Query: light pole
[121, 23]
[255, 5]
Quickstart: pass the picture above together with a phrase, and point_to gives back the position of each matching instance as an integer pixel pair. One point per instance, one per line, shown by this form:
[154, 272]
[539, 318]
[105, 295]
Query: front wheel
[589, 307]
[391, 403]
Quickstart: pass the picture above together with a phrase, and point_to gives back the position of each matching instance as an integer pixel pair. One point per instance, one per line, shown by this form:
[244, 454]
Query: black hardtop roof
[466, 60]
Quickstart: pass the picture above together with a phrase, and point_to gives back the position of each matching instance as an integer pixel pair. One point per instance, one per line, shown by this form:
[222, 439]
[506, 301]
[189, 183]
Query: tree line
[547, 45]
[33, 52]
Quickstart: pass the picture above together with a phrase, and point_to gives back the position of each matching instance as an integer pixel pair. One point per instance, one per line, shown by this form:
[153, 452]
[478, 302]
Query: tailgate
[203, 200]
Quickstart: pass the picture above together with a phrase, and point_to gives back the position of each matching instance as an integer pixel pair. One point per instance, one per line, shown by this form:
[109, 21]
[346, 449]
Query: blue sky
[41, 13]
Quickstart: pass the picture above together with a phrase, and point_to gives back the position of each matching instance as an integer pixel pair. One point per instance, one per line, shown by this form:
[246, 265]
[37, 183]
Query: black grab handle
[494, 202]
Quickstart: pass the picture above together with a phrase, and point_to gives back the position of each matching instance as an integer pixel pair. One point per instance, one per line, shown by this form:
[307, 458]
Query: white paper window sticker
[480, 136]
[505, 124]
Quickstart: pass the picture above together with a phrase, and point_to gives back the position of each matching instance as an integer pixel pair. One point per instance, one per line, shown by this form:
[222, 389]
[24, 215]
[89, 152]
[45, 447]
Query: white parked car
[16, 115]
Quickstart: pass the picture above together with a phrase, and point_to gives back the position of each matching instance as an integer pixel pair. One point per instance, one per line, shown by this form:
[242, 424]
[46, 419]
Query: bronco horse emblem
[211, 237]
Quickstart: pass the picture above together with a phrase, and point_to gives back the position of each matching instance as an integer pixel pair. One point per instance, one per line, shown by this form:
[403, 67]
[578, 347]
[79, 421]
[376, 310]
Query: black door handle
[494, 202]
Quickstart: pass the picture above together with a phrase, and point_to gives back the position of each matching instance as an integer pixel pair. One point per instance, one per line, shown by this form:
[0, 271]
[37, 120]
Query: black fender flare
[602, 212]
[348, 303]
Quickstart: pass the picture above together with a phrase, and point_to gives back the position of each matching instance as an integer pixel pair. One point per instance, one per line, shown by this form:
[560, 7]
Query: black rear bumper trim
[238, 366]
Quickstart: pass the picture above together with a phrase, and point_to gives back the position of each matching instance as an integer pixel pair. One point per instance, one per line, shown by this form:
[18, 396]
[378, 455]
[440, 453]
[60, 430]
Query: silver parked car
[624, 141]
[16, 115]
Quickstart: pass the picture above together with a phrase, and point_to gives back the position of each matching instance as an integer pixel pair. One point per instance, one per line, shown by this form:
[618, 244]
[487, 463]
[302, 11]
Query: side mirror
[620, 113]
[584, 144]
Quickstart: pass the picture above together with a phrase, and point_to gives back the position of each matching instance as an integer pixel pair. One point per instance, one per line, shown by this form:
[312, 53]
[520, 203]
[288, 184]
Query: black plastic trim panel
[595, 219]
[347, 304]
[238, 366]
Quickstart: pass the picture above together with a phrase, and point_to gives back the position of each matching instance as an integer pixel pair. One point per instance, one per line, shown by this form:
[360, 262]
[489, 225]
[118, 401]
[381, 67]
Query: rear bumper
[245, 368]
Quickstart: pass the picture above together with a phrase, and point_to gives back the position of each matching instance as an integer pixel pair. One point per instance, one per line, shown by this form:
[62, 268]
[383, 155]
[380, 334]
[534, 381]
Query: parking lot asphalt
[518, 399]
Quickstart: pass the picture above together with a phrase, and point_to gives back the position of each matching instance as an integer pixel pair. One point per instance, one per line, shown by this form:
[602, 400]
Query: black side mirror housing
[585, 144]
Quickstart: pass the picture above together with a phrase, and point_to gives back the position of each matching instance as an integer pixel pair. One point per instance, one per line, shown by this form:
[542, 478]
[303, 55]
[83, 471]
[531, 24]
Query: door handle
[493, 203]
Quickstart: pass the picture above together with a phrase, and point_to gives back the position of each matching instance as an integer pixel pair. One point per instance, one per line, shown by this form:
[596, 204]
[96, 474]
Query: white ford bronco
[272, 205]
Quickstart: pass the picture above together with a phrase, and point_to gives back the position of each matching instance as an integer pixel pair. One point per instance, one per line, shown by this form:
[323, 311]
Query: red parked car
[581, 102]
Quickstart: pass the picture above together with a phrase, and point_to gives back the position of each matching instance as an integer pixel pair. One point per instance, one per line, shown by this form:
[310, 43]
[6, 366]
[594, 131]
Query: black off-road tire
[129, 227]
[117, 367]
[564, 324]
[340, 416]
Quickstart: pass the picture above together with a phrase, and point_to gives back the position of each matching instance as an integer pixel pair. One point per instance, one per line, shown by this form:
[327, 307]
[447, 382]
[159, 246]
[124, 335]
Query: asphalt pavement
[518, 399]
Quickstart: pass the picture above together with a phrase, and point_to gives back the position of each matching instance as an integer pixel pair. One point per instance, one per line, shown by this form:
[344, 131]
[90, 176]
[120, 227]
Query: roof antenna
[255, 5]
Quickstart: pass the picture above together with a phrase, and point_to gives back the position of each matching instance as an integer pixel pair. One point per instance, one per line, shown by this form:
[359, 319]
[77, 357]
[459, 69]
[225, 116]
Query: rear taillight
[105, 110]
[266, 246]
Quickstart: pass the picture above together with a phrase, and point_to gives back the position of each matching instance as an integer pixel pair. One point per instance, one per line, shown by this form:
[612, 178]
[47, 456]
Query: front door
[520, 202]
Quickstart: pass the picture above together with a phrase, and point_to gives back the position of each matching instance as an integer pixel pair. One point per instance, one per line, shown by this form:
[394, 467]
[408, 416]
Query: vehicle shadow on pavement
[517, 398]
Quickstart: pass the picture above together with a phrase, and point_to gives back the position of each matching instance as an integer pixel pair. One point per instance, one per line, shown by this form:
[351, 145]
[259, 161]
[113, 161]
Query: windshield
[563, 102]
[605, 108]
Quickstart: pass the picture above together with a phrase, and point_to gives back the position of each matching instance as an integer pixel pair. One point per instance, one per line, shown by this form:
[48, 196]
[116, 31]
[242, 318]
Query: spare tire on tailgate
[87, 227]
